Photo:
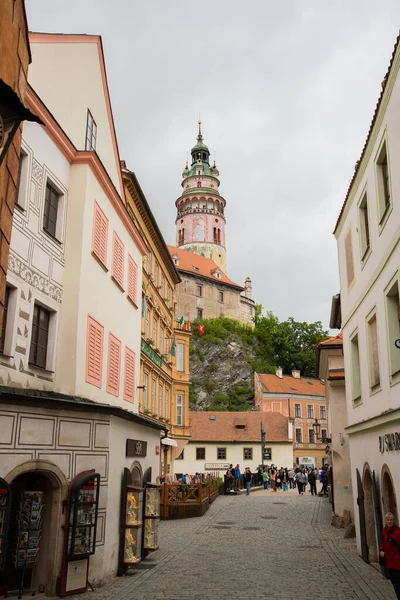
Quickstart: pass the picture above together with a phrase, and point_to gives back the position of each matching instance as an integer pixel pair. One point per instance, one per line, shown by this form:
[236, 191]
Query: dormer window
[199, 184]
[91, 132]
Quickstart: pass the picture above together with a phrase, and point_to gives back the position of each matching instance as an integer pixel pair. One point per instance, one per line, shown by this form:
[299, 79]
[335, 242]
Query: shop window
[221, 453]
[40, 337]
[94, 352]
[114, 365]
[129, 380]
[247, 453]
[322, 412]
[91, 132]
[132, 280]
[299, 437]
[374, 374]
[355, 367]
[349, 259]
[310, 411]
[200, 453]
[393, 327]
[179, 409]
[297, 410]
[100, 234]
[118, 261]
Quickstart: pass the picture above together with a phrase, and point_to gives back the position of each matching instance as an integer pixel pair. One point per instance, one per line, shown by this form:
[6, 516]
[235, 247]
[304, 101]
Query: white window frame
[373, 385]
[310, 411]
[53, 309]
[166, 400]
[365, 244]
[355, 366]
[179, 409]
[10, 336]
[59, 237]
[301, 435]
[295, 415]
[145, 391]
[160, 399]
[383, 209]
[322, 410]
[91, 132]
[393, 328]
[153, 395]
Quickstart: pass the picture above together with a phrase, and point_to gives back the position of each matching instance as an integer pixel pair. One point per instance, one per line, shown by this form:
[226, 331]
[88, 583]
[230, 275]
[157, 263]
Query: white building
[219, 439]
[368, 238]
[69, 367]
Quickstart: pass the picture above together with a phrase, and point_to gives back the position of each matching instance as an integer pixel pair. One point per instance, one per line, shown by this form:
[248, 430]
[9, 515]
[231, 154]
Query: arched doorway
[137, 474]
[45, 478]
[388, 492]
[370, 524]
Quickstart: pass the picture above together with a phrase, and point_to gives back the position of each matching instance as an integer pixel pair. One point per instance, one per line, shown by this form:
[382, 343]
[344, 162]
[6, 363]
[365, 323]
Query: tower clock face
[1, 132]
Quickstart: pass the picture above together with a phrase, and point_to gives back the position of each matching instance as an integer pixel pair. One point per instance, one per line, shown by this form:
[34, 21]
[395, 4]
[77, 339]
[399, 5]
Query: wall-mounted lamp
[141, 387]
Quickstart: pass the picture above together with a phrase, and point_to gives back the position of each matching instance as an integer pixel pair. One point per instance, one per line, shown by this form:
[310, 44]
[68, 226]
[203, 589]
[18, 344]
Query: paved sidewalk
[264, 547]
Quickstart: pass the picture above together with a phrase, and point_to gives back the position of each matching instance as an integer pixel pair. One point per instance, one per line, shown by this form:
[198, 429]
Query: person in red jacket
[390, 551]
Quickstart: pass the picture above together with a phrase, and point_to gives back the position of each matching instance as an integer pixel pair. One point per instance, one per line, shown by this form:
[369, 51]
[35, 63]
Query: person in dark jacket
[390, 551]
[247, 480]
[312, 480]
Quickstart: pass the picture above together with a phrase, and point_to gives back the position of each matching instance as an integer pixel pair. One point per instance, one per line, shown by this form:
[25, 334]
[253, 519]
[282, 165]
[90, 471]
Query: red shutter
[129, 385]
[100, 234]
[114, 365]
[94, 352]
[118, 260]
[132, 280]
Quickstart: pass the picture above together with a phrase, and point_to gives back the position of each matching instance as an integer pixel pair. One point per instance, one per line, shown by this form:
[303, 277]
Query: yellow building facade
[164, 357]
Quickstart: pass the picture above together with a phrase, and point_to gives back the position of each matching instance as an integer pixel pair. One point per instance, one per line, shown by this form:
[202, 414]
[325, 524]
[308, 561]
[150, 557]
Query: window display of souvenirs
[83, 517]
[151, 534]
[132, 550]
[133, 525]
[152, 502]
[133, 508]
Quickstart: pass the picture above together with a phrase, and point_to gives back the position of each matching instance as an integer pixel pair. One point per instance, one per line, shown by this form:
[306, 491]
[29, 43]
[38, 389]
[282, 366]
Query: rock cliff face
[222, 374]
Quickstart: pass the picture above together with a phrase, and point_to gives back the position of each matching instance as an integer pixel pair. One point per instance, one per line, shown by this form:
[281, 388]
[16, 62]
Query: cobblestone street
[266, 546]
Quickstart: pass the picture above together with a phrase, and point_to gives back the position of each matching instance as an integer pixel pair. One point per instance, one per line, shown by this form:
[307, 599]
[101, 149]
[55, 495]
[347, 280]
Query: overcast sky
[286, 92]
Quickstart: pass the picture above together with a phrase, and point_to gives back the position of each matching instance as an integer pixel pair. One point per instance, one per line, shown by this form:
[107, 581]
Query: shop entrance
[388, 493]
[370, 525]
[35, 534]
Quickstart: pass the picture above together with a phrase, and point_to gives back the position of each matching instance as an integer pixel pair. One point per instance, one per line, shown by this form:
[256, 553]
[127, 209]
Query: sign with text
[136, 448]
[389, 442]
[267, 453]
[152, 354]
[216, 466]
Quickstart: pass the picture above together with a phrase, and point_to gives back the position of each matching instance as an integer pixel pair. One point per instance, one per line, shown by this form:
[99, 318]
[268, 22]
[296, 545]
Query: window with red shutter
[132, 280]
[118, 261]
[129, 384]
[114, 365]
[100, 234]
[94, 352]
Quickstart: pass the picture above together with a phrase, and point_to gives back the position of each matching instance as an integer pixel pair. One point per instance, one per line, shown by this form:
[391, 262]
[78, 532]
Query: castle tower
[200, 220]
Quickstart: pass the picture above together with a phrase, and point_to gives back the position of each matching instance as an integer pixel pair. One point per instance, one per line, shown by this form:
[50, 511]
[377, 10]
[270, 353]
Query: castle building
[200, 253]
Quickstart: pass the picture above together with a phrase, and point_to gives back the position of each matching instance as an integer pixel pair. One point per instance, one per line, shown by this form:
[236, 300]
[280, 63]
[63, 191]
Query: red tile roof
[200, 266]
[272, 384]
[205, 428]
[358, 163]
[333, 341]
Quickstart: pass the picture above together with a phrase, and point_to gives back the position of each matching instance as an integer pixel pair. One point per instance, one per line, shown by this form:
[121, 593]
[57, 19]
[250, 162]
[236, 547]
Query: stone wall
[15, 58]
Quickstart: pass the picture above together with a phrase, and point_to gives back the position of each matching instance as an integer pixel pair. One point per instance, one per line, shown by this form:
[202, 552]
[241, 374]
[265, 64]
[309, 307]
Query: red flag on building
[201, 328]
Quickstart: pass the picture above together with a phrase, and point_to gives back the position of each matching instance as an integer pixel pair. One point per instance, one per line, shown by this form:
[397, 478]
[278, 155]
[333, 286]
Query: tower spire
[199, 137]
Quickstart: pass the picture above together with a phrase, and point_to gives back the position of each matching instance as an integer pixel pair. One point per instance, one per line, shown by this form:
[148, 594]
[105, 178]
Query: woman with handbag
[389, 551]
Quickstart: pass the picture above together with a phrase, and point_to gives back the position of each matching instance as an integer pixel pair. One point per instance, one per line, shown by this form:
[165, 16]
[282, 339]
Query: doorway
[388, 493]
[46, 485]
[370, 524]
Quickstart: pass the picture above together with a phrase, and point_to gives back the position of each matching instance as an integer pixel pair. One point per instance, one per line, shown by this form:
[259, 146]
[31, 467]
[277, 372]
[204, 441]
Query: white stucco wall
[62, 67]
[282, 456]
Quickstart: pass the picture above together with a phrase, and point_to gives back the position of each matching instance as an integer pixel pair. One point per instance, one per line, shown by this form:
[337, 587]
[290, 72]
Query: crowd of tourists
[280, 479]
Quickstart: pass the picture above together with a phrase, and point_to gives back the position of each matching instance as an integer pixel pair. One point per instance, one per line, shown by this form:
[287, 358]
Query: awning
[169, 441]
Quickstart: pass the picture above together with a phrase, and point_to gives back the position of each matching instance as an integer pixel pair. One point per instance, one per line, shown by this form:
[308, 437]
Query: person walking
[237, 477]
[390, 551]
[272, 479]
[299, 481]
[265, 479]
[312, 480]
[291, 478]
[229, 478]
[259, 476]
[247, 480]
[285, 481]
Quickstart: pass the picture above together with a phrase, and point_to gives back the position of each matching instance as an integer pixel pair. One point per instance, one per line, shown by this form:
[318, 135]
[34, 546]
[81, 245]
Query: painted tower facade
[200, 220]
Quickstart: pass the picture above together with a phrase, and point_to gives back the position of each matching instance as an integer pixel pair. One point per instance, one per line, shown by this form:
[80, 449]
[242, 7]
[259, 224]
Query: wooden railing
[181, 500]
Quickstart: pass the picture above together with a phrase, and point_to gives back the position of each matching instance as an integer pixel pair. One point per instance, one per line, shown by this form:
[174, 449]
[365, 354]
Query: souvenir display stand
[5, 510]
[25, 550]
[151, 516]
[80, 531]
[133, 525]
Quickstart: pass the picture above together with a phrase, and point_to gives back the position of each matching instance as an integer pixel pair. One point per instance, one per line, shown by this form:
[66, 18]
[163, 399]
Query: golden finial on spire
[199, 137]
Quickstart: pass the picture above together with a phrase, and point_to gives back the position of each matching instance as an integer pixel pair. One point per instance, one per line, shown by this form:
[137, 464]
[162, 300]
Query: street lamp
[12, 113]
[262, 443]
[317, 429]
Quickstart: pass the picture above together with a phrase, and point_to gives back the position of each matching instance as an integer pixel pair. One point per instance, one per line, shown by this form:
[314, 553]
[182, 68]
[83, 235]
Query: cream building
[69, 366]
[331, 371]
[219, 439]
[368, 241]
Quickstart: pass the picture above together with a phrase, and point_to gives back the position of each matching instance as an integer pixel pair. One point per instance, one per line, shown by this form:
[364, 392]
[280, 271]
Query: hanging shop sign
[151, 353]
[216, 466]
[267, 453]
[136, 448]
[389, 442]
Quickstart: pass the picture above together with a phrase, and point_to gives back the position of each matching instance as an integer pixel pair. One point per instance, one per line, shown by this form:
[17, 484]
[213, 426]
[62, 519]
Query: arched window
[199, 184]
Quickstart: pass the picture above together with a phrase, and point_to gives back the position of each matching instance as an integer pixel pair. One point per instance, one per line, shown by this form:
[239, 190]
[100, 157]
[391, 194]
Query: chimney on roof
[247, 288]
[278, 372]
[296, 374]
